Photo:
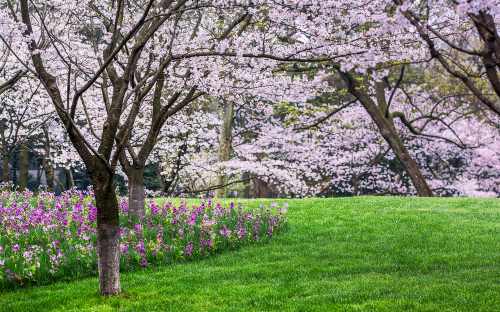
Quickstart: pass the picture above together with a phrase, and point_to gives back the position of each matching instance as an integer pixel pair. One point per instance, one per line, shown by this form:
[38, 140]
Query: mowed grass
[343, 254]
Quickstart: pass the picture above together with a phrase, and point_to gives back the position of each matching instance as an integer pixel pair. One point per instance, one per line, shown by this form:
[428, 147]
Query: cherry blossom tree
[118, 73]
[463, 37]
[113, 56]
[22, 114]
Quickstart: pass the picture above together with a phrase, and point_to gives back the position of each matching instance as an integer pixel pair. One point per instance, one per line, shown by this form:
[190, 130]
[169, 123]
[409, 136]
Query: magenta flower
[124, 206]
[140, 248]
[138, 228]
[92, 213]
[154, 208]
[192, 218]
[124, 248]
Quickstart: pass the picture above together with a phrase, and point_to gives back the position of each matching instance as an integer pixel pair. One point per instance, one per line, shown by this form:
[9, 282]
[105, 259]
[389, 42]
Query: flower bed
[47, 237]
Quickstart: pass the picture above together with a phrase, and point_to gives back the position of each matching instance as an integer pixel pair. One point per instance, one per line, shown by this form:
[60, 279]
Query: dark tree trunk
[46, 163]
[108, 234]
[246, 186]
[70, 181]
[391, 136]
[5, 169]
[158, 171]
[13, 169]
[49, 174]
[261, 189]
[24, 163]
[136, 199]
[409, 164]
[355, 184]
[388, 131]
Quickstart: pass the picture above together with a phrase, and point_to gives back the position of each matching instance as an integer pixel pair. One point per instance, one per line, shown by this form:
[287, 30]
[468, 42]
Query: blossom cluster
[46, 237]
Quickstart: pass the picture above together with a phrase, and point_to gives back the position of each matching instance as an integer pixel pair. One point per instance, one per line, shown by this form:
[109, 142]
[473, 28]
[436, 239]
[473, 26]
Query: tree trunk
[225, 143]
[136, 200]
[108, 230]
[46, 163]
[246, 185]
[158, 171]
[389, 132]
[49, 174]
[5, 169]
[355, 184]
[38, 177]
[391, 135]
[409, 164]
[24, 163]
[261, 189]
[70, 181]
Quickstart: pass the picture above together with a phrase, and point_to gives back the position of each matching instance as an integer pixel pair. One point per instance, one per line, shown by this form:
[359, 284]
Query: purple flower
[138, 228]
[124, 248]
[249, 216]
[154, 208]
[218, 211]
[270, 230]
[225, 232]
[256, 229]
[140, 248]
[188, 250]
[192, 218]
[124, 206]
[242, 232]
[66, 225]
[92, 213]
[206, 243]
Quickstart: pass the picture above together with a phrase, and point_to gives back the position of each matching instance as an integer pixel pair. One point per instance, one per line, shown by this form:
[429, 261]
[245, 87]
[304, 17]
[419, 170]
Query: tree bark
[24, 163]
[388, 131]
[261, 189]
[158, 171]
[5, 169]
[49, 174]
[108, 234]
[225, 141]
[136, 199]
[487, 29]
[70, 181]
[46, 163]
[246, 185]
[38, 176]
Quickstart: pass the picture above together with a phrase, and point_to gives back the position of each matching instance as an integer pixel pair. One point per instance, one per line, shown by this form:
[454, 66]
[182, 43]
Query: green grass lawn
[344, 254]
